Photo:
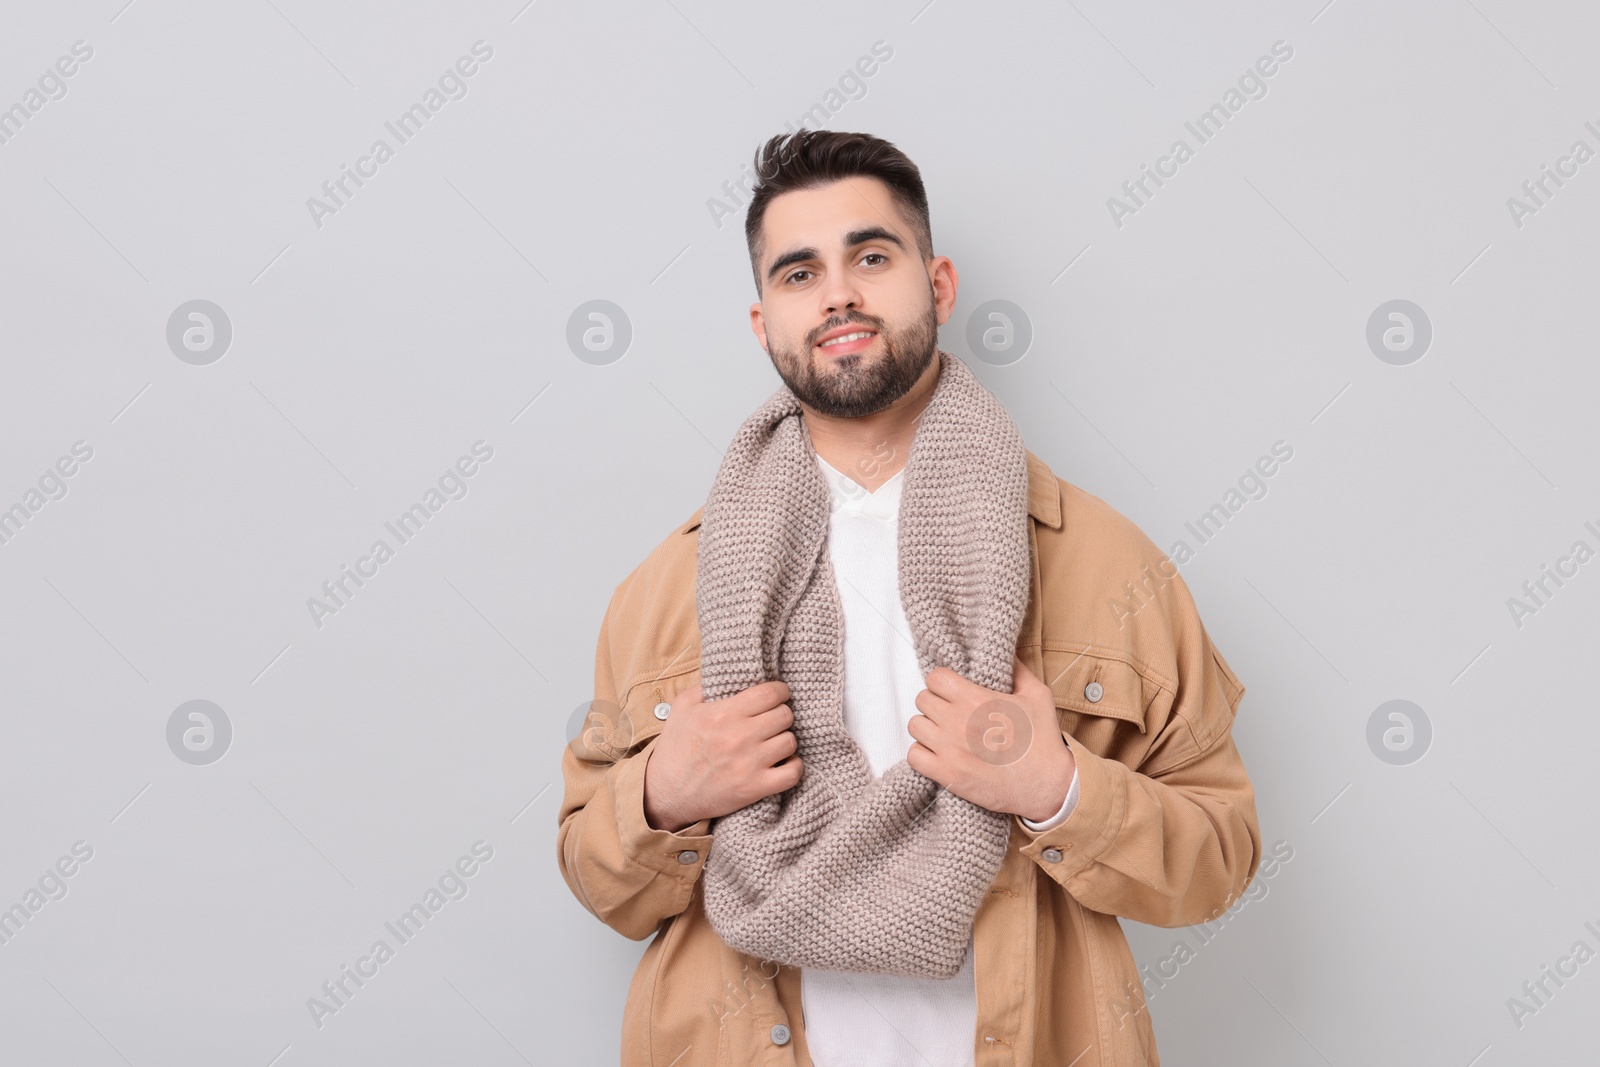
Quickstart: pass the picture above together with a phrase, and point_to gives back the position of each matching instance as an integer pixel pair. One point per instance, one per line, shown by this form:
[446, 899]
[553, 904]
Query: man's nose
[840, 295]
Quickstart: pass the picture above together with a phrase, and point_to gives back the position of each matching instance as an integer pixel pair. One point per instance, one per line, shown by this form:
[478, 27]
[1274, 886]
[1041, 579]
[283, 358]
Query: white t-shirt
[870, 1019]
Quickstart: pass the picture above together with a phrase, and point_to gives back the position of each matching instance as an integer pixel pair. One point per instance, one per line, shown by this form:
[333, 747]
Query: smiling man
[878, 758]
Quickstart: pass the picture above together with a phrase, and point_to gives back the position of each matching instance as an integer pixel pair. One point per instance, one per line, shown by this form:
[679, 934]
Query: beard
[849, 387]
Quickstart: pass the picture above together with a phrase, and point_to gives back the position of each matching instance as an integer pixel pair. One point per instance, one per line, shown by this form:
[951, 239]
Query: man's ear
[758, 325]
[944, 281]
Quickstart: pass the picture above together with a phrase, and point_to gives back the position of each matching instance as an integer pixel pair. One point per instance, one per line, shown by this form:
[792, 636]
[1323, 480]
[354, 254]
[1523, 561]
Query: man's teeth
[848, 337]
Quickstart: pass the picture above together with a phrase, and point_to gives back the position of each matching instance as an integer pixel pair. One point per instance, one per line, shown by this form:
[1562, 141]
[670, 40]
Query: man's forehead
[834, 210]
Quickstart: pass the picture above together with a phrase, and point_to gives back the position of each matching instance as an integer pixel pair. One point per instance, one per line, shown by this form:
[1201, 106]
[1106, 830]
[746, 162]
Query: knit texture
[846, 871]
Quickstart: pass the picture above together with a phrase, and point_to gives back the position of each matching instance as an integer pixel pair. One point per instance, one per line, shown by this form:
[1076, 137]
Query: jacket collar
[1044, 497]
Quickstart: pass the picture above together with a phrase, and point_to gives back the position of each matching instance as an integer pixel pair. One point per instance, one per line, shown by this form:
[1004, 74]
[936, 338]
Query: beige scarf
[846, 871]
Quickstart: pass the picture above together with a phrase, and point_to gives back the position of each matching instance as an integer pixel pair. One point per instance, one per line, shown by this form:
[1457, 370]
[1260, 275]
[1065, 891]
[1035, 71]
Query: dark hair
[807, 158]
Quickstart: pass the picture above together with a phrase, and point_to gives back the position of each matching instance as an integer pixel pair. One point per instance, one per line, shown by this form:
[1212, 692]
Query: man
[849, 850]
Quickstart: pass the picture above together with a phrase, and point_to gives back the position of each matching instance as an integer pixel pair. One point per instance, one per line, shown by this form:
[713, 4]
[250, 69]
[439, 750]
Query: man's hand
[713, 758]
[1001, 751]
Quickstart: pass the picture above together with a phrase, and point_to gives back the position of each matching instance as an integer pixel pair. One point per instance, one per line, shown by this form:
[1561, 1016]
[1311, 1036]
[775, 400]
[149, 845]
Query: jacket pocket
[639, 721]
[1092, 683]
[1104, 700]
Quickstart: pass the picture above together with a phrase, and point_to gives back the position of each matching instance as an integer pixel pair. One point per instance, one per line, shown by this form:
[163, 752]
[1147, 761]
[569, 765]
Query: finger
[759, 698]
[773, 722]
[927, 732]
[917, 726]
[921, 759]
[775, 750]
[933, 706]
[945, 682]
[782, 777]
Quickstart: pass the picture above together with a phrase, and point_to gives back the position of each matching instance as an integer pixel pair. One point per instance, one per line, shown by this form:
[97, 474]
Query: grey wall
[1171, 346]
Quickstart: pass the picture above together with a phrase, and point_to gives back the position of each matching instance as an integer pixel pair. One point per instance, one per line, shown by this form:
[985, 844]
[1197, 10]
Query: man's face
[841, 260]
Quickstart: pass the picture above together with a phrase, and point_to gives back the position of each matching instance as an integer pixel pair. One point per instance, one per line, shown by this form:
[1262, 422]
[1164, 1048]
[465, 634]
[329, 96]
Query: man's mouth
[848, 343]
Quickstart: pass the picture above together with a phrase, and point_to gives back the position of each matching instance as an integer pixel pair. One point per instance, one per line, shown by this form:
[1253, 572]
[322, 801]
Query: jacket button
[689, 855]
[663, 707]
[780, 1034]
[1052, 855]
[1093, 692]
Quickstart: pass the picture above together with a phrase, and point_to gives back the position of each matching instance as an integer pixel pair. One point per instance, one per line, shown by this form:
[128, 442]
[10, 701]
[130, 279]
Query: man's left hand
[1001, 751]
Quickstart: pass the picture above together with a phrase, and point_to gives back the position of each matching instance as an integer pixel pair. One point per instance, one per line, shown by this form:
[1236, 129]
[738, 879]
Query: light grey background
[431, 310]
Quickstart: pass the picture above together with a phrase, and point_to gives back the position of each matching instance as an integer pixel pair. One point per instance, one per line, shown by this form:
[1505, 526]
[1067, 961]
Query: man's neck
[873, 448]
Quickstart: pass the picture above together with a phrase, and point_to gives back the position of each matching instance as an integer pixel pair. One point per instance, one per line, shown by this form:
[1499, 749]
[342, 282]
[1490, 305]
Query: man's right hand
[713, 758]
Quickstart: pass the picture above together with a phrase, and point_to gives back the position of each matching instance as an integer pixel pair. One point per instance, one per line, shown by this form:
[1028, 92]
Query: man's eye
[796, 274]
[874, 255]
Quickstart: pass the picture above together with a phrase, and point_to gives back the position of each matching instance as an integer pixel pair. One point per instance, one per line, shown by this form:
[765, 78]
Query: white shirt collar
[848, 495]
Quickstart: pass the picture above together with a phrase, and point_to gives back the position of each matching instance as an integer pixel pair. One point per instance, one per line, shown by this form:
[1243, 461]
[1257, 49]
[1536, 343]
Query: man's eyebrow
[851, 239]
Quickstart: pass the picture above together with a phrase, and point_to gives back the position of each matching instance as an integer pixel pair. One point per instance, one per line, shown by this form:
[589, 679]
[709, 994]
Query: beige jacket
[1164, 832]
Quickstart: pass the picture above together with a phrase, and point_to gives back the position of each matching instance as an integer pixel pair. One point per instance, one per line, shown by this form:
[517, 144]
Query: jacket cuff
[681, 854]
[1066, 808]
[1094, 823]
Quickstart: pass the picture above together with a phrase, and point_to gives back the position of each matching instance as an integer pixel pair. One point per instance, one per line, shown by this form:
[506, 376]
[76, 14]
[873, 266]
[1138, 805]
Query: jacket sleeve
[1174, 841]
[630, 875]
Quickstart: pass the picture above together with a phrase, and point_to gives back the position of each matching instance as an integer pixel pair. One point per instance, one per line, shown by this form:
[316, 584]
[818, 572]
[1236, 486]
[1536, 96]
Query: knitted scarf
[846, 871]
